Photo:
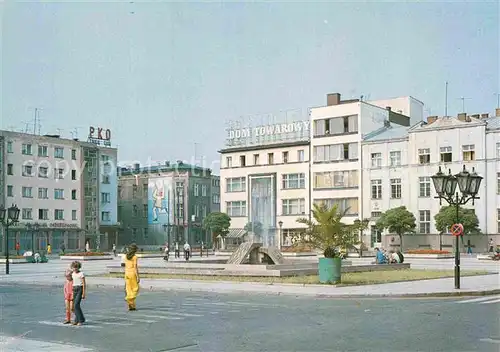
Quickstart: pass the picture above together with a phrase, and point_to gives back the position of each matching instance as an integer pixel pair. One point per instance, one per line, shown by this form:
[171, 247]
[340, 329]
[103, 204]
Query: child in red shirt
[68, 295]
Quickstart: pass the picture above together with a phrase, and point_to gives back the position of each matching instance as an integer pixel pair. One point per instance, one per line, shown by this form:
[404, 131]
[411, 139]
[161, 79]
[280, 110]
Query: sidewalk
[471, 285]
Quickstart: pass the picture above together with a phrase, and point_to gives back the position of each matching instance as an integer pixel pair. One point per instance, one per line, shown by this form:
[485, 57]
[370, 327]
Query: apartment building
[56, 184]
[165, 203]
[398, 163]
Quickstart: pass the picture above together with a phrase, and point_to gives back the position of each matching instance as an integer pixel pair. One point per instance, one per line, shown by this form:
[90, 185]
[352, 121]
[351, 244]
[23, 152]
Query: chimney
[333, 99]
[485, 116]
[497, 112]
[462, 116]
[431, 119]
[388, 108]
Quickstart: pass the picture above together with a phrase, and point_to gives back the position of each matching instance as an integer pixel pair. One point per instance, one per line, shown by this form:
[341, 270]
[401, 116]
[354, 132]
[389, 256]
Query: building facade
[56, 184]
[398, 163]
[165, 204]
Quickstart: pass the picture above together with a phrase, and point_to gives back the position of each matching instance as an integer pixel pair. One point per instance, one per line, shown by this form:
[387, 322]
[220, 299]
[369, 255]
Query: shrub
[85, 254]
[426, 251]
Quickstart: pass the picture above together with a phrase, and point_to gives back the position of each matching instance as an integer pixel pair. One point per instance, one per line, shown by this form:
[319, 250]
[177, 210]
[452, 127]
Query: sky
[165, 77]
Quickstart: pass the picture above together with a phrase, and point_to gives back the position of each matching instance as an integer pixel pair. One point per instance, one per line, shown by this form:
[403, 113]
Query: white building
[398, 163]
[59, 184]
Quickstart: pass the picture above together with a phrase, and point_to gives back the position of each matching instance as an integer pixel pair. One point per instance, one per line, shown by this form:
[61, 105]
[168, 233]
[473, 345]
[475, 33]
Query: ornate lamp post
[8, 217]
[445, 186]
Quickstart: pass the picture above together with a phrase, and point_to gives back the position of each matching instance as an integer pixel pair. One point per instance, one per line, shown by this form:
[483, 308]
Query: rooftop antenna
[58, 131]
[195, 152]
[463, 102]
[446, 100]
[74, 133]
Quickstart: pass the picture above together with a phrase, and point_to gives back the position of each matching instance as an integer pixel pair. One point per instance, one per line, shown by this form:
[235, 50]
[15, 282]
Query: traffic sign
[457, 229]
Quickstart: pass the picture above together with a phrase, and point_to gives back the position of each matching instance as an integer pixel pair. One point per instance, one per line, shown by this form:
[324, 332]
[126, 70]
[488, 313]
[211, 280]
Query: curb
[280, 293]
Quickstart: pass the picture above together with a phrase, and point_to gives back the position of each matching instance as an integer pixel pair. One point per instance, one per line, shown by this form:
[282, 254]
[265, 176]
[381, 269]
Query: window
[59, 174]
[27, 192]
[256, 159]
[27, 149]
[27, 214]
[336, 179]
[238, 208]
[73, 154]
[270, 158]
[10, 191]
[134, 232]
[424, 156]
[10, 148]
[468, 152]
[43, 172]
[58, 193]
[424, 185]
[293, 206]
[446, 154]
[203, 190]
[396, 188]
[196, 189]
[424, 225]
[145, 232]
[300, 155]
[229, 161]
[27, 170]
[105, 180]
[105, 159]
[135, 211]
[349, 205]
[336, 152]
[43, 214]
[215, 199]
[376, 214]
[105, 197]
[73, 194]
[73, 215]
[376, 189]
[73, 175]
[58, 214]
[43, 193]
[59, 152]
[236, 184]
[395, 158]
[294, 181]
[145, 210]
[336, 126]
[375, 235]
[242, 160]
[285, 157]
[376, 160]
[10, 169]
[105, 216]
[43, 150]
[145, 189]
[197, 210]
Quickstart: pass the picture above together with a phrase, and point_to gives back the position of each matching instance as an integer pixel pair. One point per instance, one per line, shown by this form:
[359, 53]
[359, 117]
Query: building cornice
[264, 147]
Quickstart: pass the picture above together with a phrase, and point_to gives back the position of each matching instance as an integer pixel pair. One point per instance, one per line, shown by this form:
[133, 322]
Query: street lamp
[8, 217]
[445, 186]
[281, 231]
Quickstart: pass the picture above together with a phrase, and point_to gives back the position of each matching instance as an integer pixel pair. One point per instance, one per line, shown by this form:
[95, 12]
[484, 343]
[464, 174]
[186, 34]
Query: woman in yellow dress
[131, 276]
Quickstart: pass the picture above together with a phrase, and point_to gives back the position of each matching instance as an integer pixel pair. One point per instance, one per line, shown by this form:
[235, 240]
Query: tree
[255, 227]
[399, 221]
[327, 231]
[447, 216]
[217, 223]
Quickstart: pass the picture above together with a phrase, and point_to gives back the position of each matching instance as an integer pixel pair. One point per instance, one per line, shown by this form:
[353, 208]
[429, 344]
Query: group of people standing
[75, 287]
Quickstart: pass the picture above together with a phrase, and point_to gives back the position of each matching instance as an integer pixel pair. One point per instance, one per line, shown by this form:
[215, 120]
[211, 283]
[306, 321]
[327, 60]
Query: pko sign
[269, 130]
[100, 136]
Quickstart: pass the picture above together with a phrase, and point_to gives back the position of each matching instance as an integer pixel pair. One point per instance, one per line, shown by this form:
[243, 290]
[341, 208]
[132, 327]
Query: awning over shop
[236, 233]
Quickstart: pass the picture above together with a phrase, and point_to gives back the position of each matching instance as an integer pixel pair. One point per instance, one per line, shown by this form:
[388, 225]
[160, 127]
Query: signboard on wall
[160, 193]
[99, 136]
[286, 126]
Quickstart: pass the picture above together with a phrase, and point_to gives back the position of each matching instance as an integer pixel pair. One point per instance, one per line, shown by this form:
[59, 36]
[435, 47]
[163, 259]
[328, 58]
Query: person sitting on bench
[380, 257]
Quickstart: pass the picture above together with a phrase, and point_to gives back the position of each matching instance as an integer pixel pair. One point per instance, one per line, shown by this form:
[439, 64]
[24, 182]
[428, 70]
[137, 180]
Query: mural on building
[159, 201]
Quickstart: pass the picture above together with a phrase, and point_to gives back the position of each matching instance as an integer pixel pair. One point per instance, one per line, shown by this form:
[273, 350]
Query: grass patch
[348, 279]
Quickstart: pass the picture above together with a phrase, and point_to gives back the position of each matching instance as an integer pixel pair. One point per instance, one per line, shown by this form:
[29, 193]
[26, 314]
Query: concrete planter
[330, 270]
[428, 256]
[299, 254]
[85, 258]
[13, 261]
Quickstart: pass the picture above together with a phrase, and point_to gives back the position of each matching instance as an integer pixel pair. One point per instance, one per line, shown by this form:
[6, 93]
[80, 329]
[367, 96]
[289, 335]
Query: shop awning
[236, 233]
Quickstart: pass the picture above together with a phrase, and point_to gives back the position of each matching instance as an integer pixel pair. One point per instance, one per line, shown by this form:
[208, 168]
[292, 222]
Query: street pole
[457, 244]
[7, 259]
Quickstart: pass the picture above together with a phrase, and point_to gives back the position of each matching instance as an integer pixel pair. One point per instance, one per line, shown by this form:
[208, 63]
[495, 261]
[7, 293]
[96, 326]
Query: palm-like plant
[327, 231]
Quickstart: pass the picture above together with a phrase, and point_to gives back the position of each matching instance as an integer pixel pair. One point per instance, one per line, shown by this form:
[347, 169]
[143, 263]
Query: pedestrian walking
[176, 248]
[114, 249]
[491, 245]
[131, 277]
[18, 248]
[79, 288]
[68, 295]
[49, 249]
[187, 250]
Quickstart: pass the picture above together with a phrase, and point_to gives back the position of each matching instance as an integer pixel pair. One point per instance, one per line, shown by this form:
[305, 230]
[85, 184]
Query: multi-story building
[398, 163]
[165, 203]
[56, 183]
[215, 207]
[268, 176]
